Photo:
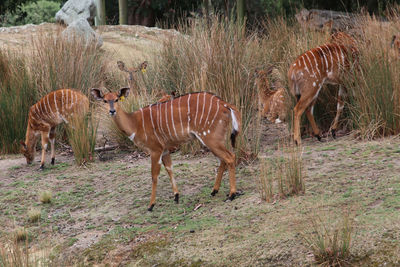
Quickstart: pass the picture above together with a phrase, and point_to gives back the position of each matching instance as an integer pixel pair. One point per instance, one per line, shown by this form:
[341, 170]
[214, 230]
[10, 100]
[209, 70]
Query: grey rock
[81, 29]
[76, 9]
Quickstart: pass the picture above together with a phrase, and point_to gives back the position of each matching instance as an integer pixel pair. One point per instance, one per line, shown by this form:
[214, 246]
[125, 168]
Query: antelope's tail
[236, 123]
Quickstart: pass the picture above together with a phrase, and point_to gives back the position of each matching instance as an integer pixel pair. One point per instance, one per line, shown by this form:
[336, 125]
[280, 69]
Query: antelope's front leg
[166, 159]
[155, 171]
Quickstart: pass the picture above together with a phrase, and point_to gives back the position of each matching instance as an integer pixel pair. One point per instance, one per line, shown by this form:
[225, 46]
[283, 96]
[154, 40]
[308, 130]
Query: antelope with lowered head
[163, 126]
[310, 71]
[53, 109]
[272, 103]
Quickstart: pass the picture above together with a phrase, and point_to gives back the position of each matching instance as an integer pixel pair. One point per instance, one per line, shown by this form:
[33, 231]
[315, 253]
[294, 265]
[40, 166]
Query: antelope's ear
[270, 69]
[97, 94]
[23, 144]
[121, 65]
[123, 92]
[143, 66]
[393, 38]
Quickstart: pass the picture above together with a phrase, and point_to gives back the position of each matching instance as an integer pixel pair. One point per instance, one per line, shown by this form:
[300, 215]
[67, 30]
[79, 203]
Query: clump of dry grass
[81, 133]
[330, 245]
[20, 234]
[265, 180]
[34, 215]
[14, 253]
[45, 197]
[286, 172]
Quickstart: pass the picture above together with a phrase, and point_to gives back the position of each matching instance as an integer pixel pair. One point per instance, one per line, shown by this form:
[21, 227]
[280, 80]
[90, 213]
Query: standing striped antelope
[141, 67]
[310, 71]
[53, 109]
[163, 126]
[272, 103]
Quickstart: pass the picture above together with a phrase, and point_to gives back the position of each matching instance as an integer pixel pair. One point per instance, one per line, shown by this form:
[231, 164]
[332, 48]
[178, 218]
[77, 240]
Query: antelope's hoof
[52, 161]
[231, 197]
[176, 198]
[41, 168]
[333, 131]
[214, 192]
[151, 207]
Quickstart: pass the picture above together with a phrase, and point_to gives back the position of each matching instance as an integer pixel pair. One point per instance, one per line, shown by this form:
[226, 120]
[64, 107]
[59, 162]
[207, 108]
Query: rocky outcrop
[81, 29]
[77, 14]
[326, 19]
[76, 9]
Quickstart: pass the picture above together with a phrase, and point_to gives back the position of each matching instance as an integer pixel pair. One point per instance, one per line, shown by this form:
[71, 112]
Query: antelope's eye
[116, 100]
[105, 101]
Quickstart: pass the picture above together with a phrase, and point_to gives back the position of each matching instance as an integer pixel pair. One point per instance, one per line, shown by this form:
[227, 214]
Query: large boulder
[76, 9]
[81, 29]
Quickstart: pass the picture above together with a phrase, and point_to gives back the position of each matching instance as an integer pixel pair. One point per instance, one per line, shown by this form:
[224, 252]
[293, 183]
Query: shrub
[266, 181]
[17, 95]
[40, 11]
[330, 246]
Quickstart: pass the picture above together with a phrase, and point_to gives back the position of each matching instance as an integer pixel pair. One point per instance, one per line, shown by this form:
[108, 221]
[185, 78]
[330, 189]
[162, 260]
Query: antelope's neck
[30, 138]
[126, 122]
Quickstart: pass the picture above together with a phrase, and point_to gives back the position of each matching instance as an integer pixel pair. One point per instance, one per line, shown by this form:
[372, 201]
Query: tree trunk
[240, 10]
[123, 12]
[100, 18]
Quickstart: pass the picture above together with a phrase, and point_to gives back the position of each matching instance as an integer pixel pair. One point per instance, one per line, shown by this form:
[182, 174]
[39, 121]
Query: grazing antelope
[53, 109]
[324, 64]
[395, 44]
[163, 126]
[141, 67]
[272, 103]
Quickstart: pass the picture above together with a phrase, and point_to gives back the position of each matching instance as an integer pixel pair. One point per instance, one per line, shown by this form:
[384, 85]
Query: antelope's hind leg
[52, 137]
[45, 141]
[155, 171]
[166, 159]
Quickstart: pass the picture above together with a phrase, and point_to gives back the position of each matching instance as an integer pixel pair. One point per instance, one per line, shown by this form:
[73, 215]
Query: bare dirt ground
[98, 213]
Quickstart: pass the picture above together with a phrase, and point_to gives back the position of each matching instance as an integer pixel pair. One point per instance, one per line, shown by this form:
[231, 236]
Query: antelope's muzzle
[112, 110]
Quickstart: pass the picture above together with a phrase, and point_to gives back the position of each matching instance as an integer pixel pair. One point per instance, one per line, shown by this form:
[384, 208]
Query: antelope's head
[141, 67]
[111, 98]
[261, 78]
[396, 44]
[28, 153]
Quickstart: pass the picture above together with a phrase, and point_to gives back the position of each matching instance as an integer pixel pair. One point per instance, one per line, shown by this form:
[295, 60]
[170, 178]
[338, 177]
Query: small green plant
[45, 197]
[34, 215]
[82, 132]
[330, 246]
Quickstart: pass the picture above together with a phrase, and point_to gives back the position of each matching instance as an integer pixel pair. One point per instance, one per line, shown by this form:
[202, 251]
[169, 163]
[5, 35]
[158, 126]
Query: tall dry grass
[18, 254]
[17, 94]
[57, 62]
[82, 132]
[374, 89]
